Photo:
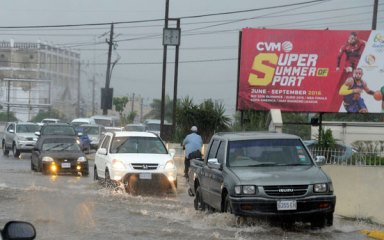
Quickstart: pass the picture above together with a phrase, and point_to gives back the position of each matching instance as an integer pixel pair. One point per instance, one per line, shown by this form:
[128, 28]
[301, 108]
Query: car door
[9, 135]
[206, 172]
[216, 179]
[101, 158]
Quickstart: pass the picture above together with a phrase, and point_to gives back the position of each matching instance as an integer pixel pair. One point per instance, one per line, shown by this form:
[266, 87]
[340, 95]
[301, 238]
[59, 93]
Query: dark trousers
[187, 163]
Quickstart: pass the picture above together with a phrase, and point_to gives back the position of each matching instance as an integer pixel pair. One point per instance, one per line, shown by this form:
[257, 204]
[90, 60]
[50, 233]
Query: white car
[137, 161]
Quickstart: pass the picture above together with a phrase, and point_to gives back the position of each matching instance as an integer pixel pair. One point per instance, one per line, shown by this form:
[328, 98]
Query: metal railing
[350, 157]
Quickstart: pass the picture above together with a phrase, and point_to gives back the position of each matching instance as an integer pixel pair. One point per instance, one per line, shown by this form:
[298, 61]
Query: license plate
[65, 165]
[145, 176]
[286, 205]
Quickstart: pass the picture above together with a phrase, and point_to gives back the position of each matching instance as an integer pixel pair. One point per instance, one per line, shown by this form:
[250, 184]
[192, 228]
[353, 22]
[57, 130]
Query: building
[38, 76]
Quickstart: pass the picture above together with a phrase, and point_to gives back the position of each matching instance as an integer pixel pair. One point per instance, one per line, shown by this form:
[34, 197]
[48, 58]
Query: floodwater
[74, 207]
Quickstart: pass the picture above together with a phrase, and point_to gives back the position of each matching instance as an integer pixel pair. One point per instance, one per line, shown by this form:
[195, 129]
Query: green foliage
[297, 124]
[4, 117]
[325, 139]
[208, 117]
[155, 113]
[126, 119]
[52, 113]
[252, 121]
[120, 103]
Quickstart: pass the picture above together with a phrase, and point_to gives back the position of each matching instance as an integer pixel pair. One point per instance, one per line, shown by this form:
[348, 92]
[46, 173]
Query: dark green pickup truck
[262, 174]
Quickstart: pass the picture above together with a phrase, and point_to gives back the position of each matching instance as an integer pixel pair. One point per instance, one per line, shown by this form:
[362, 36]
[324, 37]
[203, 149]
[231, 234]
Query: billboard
[311, 70]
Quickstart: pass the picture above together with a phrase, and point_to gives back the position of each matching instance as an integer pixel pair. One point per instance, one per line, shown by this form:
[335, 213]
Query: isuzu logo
[286, 190]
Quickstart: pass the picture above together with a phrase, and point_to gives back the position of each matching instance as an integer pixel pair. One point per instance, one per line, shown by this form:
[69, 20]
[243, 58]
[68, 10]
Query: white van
[80, 121]
[107, 121]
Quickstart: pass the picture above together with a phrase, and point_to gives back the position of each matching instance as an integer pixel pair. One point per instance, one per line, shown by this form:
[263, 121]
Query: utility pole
[106, 96]
[162, 109]
[374, 18]
[133, 102]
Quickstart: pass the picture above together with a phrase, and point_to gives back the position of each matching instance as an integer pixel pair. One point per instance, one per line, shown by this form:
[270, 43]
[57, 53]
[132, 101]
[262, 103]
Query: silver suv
[19, 137]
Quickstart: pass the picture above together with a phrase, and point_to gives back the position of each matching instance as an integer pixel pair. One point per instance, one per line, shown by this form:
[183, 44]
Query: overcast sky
[209, 38]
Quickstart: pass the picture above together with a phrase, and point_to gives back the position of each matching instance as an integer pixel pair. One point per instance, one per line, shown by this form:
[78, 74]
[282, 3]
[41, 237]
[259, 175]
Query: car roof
[249, 135]
[50, 136]
[91, 125]
[57, 124]
[134, 134]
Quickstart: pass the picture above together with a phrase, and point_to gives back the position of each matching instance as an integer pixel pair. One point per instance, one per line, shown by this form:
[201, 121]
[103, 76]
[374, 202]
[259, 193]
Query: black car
[59, 154]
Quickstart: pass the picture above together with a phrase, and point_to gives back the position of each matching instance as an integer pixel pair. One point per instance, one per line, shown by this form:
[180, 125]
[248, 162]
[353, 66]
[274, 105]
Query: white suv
[19, 137]
[137, 161]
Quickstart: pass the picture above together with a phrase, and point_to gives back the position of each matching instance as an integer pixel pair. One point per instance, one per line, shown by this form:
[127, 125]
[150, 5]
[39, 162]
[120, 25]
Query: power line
[155, 20]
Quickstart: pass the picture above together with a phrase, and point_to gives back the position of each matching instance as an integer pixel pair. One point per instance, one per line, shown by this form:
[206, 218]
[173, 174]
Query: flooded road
[74, 207]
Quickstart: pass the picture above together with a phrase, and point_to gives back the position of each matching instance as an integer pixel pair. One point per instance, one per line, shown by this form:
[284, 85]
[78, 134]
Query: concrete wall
[359, 191]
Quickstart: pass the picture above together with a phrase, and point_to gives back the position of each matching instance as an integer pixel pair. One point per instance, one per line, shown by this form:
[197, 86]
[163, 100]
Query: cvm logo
[286, 46]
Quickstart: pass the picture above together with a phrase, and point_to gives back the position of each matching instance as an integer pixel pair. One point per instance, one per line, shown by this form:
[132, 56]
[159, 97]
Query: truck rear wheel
[198, 201]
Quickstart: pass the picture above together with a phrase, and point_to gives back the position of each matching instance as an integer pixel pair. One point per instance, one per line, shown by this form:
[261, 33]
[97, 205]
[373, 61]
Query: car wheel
[44, 171]
[5, 150]
[227, 204]
[16, 152]
[198, 202]
[318, 221]
[32, 166]
[329, 218]
[108, 181]
[85, 173]
[95, 176]
[130, 185]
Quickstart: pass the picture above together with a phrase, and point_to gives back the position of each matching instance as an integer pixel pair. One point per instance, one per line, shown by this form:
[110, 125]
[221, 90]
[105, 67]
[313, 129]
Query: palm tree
[155, 112]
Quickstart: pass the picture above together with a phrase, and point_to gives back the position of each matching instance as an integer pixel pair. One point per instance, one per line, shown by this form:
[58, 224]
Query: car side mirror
[18, 230]
[320, 160]
[11, 131]
[102, 151]
[172, 151]
[214, 163]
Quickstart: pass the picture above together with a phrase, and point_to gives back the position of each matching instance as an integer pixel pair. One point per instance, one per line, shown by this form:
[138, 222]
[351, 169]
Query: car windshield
[267, 152]
[139, 128]
[63, 130]
[60, 145]
[138, 145]
[91, 130]
[27, 128]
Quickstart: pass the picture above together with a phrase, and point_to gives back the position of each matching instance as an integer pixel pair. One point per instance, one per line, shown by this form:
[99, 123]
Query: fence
[350, 157]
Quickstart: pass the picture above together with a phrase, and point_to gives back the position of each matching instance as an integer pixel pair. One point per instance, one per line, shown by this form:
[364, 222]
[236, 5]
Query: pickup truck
[262, 174]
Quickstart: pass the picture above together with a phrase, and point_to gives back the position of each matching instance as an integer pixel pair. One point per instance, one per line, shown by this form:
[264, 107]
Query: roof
[134, 134]
[234, 136]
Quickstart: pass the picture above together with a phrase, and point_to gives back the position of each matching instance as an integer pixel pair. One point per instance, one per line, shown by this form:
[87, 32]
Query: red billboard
[311, 70]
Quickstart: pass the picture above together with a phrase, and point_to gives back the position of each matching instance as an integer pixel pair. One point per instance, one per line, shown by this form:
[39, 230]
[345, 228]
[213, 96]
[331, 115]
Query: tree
[155, 112]
[208, 117]
[51, 113]
[4, 117]
[120, 103]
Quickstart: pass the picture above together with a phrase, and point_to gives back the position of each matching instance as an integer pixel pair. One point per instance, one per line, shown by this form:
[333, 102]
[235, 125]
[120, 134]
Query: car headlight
[245, 189]
[320, 187]
[117, 164]
[81, 159]
[170, 165]
[47, 159]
